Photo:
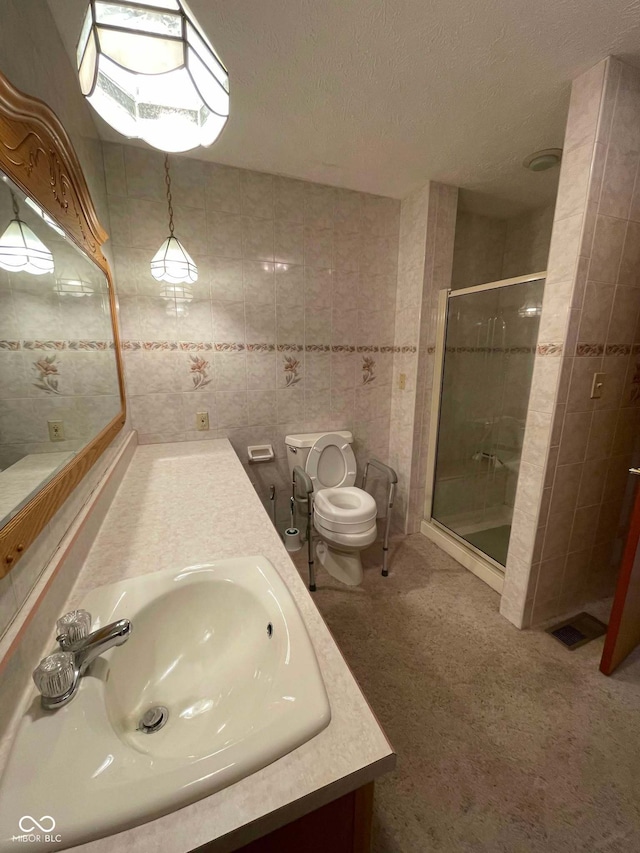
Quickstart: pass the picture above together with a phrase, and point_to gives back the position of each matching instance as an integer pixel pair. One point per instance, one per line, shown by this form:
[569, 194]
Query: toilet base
[344, 567]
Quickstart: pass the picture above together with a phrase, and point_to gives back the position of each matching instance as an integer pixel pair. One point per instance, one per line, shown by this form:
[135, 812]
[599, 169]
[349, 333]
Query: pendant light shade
[150, 71]
[21, 250]
[172, 263]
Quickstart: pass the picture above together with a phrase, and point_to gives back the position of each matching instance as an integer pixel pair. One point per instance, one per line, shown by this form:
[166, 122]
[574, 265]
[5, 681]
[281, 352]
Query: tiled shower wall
[570, 517]
[427, 225]
[291, 328]
[489, 249]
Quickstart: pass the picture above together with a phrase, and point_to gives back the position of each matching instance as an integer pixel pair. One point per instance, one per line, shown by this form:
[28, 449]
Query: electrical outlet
[402, 382]
[597, 385]
[202, 420]
[56, 430]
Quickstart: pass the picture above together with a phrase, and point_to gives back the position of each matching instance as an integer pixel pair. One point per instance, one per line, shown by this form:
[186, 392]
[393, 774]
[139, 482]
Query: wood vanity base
[343, 826]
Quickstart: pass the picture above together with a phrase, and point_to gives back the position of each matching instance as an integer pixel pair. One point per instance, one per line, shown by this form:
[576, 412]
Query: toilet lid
[331, 462]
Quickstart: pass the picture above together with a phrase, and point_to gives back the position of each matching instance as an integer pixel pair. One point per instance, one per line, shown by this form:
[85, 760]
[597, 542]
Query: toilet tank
[299, 445]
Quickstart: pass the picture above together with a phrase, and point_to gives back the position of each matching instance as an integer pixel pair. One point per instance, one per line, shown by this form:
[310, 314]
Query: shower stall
[485, 351]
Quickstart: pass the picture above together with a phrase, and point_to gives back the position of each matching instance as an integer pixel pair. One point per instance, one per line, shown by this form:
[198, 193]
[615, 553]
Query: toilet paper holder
[260, 453]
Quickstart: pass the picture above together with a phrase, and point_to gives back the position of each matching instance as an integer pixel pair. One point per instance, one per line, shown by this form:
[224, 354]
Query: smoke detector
[540, 161]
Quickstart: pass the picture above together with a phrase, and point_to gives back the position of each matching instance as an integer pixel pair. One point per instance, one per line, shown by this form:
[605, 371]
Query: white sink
[223, 647]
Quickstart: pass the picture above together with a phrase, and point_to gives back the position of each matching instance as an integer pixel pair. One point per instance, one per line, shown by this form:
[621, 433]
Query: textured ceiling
[383, 96]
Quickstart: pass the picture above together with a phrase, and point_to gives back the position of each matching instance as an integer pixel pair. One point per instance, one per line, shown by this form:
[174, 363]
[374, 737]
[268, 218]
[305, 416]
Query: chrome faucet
[57, 677]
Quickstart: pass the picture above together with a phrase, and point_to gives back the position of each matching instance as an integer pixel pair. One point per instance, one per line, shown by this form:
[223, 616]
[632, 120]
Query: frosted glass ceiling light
[21, 250]
[172, 263]
[150, 71]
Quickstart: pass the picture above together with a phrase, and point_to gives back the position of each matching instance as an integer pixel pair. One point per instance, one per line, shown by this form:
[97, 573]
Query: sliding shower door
[489, 348]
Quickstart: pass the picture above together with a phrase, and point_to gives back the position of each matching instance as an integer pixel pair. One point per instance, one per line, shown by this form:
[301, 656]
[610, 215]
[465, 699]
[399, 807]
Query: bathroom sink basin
[222, 649]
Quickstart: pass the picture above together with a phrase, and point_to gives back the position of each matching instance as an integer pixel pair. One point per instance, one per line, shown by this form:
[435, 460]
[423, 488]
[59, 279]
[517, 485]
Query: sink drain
[153, 719]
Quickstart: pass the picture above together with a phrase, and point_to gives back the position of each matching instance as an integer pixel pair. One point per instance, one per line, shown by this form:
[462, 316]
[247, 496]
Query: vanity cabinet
[342, 826]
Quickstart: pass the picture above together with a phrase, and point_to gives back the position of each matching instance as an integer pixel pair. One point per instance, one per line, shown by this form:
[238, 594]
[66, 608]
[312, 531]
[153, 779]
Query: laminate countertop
[186, 503]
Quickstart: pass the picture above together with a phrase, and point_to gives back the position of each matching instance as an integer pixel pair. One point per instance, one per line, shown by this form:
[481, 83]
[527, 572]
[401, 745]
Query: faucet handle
[54, 675]
[73, 627]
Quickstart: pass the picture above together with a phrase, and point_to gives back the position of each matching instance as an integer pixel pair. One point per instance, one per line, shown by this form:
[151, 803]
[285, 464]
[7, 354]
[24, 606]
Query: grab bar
[392, 481]
[301, 477]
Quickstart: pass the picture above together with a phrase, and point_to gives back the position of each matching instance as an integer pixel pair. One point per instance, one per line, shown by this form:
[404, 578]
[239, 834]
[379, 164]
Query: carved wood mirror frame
[37, 154]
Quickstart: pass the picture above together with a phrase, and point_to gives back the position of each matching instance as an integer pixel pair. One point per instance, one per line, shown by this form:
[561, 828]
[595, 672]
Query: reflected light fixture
[21, 250]
[72, 287]
[530, 308]
[172, 263]
[150, 71]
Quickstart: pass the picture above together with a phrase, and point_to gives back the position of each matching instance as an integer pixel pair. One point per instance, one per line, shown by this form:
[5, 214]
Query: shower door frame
[472, 558]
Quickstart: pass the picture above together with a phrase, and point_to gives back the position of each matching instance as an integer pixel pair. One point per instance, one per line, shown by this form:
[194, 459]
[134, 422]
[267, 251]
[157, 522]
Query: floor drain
[578, 630]
[153, 719]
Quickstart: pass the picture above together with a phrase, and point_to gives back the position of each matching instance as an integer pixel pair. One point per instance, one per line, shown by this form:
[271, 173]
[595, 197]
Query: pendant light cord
[14, 201]
[167, 180]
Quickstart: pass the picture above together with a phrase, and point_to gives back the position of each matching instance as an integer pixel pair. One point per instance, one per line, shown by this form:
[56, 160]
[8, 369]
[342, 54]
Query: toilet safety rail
[392, 481]
[301, 485]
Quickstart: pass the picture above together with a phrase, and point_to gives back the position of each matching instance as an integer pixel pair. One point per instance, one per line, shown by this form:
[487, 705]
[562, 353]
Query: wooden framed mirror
[61, 388]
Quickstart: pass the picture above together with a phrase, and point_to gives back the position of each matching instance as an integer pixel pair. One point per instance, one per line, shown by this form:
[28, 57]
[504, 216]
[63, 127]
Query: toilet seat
[347, 541]
[345, 510]
[329, 469]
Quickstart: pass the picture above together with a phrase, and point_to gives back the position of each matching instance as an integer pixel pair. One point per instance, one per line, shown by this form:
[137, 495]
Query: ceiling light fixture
[151, 72]
[540, 161]
[172, 263]
[20, 249]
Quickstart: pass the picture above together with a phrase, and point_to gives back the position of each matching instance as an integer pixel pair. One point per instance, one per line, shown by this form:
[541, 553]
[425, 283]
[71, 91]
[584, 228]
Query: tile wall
[291, 327]
[571, 503]
[427, 225]
[489, 249]
[57, 359]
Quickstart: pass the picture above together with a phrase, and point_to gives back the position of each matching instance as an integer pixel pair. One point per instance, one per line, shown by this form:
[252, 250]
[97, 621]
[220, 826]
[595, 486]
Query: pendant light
[150, 71]
[172, 263]
[21, 250]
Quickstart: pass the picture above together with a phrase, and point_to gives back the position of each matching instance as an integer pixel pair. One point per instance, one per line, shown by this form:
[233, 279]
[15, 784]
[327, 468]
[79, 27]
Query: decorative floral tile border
[237, 346]
[76, 344]
[585, 350]
[550, 349]
[494, 350]
[593, 350]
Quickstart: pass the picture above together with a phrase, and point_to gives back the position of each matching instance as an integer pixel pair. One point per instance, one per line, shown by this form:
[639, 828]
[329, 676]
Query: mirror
[58, 375]
[61, 392]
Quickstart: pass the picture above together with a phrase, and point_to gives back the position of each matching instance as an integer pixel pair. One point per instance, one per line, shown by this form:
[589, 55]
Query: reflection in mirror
[58, 375]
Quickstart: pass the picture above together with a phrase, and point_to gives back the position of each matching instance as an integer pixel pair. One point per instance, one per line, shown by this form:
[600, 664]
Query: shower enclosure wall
[485, 349]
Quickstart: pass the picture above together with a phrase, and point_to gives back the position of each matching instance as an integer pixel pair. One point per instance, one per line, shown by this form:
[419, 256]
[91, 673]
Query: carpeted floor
[506, 741]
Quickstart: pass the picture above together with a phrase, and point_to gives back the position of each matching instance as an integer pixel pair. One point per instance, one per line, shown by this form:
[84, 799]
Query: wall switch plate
[202, 420]
[56, 430]
[402, 382]
[597, 385]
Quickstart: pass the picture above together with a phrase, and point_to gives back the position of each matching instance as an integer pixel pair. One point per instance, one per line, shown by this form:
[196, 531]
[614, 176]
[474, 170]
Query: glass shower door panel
[489, 352]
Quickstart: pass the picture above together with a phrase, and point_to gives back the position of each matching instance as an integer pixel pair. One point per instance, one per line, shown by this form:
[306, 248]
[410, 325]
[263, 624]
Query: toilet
[344, 516]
